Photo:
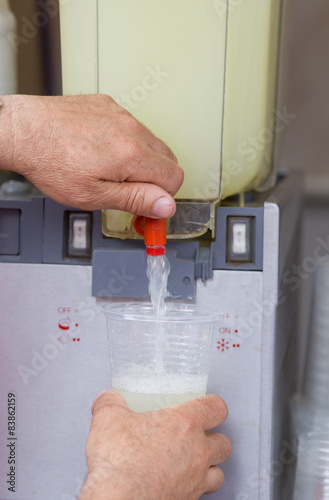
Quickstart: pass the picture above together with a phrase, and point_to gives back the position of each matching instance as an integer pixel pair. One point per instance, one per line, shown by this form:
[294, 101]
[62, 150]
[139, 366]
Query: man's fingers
[148, 166]
[219, 446]
[146, 135]
[215, 479]
[162, 148]
[107, 398]
[135, 197]
[208, 411]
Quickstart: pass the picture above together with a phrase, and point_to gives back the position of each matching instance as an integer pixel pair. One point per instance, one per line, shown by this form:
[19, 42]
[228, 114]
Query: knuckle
[228, 448]
[103, 401]
[219, 405]
[216, 480]
[133, 153]
[100, 411]
[175, 179]
[165, 150]
[173, 157]
[180, 175]
[131, 124]
[224, 447]
[220, 479]
[104, 99]
[187, 425]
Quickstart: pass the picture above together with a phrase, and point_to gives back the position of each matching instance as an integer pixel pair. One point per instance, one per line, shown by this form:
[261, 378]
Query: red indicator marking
[78, 340]
[78, 325]
[64, 310]
[224, 345]
[73, 340]
[236, 331]
[64, 324]
[224, 330]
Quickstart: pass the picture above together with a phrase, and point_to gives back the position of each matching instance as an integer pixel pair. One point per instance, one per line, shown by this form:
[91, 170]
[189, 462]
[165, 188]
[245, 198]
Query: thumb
[107, 398]
[139, 198]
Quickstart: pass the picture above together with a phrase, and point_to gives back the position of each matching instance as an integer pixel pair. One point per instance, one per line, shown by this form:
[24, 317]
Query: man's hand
[159, 455]
[88, 152]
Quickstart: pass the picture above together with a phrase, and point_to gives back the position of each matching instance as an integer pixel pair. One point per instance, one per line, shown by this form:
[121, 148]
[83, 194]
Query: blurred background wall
[304, 89]
[304, 144]
[39, 70]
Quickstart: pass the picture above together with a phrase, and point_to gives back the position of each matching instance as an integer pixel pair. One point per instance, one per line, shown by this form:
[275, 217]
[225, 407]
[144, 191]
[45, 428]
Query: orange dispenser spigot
[154, 232]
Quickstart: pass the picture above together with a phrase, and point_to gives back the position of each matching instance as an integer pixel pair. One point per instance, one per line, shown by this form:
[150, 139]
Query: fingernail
[163, 208]
[99, 395]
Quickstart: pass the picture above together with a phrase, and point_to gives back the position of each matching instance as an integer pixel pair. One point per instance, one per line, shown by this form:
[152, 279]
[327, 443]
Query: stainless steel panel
[55, 378]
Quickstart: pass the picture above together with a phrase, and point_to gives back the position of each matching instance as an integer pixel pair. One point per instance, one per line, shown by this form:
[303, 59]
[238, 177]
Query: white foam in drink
[159, 391]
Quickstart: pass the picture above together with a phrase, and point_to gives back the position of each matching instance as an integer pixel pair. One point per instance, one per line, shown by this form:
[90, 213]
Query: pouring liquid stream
[158, 269]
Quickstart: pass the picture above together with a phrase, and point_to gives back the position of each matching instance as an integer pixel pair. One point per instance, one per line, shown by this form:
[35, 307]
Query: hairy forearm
[21, 119]
[7, 132]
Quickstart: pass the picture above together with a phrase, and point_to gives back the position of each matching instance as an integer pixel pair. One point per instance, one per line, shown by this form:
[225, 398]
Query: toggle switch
[239, 243]
[9, 231]
[79, 235]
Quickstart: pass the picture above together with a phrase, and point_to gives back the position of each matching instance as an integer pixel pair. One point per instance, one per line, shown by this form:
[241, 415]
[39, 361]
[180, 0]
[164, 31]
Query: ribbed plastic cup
[312, 476]
[158, 361]
[316, 385]
[306, 417]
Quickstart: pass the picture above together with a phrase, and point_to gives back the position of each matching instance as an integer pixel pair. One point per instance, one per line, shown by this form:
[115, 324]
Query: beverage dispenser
[202, 75]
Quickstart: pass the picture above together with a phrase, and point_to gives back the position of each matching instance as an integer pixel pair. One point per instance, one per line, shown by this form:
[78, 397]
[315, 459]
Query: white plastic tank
[200, 74]
[8, 55]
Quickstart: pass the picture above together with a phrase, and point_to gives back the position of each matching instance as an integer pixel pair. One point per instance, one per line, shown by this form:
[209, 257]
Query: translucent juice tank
[201, 74]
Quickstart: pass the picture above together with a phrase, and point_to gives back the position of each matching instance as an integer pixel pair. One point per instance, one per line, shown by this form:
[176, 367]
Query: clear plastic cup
[158, 361]
[306, 417]
[316, 384]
